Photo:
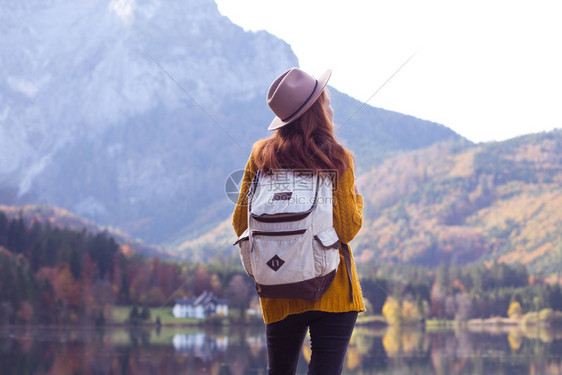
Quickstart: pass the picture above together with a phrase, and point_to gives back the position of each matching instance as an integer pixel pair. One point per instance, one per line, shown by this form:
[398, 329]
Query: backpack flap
[328, 238]
[283, 193]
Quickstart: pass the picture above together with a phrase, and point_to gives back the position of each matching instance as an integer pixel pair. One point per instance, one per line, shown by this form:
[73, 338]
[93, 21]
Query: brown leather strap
[347, 259]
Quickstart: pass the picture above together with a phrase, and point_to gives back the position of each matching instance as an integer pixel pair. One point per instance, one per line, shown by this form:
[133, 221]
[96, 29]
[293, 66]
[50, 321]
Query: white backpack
[290, 248]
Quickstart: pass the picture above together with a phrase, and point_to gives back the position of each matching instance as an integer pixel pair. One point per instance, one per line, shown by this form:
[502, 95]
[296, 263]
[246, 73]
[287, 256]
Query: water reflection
[241, 350]
[200, 345]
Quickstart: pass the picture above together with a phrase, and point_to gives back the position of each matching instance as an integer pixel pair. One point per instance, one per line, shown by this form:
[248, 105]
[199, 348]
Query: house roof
[204, 298]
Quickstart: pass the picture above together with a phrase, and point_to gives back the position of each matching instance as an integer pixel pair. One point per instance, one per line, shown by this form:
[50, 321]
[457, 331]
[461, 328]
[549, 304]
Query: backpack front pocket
[281, 257]
[326, 251]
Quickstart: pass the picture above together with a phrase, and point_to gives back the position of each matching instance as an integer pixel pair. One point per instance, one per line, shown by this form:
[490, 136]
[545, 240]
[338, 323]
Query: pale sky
[490, 70]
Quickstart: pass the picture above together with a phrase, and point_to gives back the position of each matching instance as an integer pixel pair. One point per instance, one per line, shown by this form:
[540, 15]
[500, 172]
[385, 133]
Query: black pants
[329, 336]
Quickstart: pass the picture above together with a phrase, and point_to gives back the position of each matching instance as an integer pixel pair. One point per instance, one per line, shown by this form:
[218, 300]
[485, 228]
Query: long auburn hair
[307, 143]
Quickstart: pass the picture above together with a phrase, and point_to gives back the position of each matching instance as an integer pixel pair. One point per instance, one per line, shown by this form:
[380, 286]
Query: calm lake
[239, 351]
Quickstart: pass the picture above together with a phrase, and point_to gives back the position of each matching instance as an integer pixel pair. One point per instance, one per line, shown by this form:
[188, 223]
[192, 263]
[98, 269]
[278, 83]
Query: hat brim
[322, 82]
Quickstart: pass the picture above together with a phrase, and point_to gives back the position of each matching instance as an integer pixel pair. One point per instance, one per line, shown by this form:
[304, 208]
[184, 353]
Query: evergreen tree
[124, 296]
[17, 236]
[134, 315]
[145, 313]
[101, 248]
[75, 264]
[4, 224]
[555, 297]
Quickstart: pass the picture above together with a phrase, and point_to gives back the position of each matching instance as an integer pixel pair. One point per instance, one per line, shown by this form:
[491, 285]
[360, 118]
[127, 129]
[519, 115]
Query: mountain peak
[89, 66]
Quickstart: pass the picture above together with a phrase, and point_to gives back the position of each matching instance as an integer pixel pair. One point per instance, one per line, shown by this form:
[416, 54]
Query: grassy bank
[121, 316]
[166, 318]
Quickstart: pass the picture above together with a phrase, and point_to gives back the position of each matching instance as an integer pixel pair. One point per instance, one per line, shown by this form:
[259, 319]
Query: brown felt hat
[291, 94]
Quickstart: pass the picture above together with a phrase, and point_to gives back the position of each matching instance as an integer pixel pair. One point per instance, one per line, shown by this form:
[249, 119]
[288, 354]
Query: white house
[204, 306]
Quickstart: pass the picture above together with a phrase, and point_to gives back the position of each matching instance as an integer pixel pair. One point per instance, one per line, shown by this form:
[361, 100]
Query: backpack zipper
[282, 218]
[281, 233]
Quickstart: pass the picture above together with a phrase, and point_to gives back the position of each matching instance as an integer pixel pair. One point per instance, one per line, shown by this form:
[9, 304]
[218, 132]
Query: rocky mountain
[133, 113]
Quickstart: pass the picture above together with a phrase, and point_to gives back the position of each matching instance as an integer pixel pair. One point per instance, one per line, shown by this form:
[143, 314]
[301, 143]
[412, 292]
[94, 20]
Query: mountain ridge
[461, 204]
[63, 219]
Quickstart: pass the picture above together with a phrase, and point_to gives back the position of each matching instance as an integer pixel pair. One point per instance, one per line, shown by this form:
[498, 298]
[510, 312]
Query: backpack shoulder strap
[347, 258]
[252, 190]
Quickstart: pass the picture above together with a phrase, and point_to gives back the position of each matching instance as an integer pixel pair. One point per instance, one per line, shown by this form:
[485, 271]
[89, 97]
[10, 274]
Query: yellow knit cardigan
[348, 218]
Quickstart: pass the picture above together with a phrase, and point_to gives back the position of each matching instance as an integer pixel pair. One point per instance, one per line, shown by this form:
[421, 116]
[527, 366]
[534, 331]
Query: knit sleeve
[348, 207]
[240, 214]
